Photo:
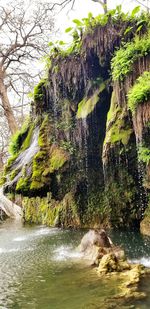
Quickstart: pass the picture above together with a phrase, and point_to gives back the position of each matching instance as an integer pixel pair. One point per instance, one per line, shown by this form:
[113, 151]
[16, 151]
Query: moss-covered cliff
[83, 158]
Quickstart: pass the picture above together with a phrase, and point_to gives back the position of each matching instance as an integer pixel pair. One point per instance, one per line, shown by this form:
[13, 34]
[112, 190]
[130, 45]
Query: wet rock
[110, 263]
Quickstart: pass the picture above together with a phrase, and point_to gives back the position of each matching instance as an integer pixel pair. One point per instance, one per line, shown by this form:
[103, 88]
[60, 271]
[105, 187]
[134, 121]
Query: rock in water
[95, 237]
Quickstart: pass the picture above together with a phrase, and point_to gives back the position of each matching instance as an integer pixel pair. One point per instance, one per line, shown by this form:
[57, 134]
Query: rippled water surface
[40, 268]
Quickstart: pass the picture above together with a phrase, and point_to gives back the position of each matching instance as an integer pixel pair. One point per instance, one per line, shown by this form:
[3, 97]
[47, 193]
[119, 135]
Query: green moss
[27, 140]
[113, 108]
[58, 158]
[118, 130]
[68, 215]
[10, 161]
[43, 138]
[67, 146]
[41, 210]
[19, 142]
[18, 138]
[126, 56]
[144, 154]
[120, 198]
[38, 90]
[97, 210]
[140, 92]
[3, 179]
[23, 185]
[48, 211]
[86, 106]
[41, 167]
[39, 179]
[13, 174]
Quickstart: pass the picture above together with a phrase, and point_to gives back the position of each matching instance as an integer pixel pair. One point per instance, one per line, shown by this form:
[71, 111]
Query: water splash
[144, 261]
[8, 207]
[65, 253]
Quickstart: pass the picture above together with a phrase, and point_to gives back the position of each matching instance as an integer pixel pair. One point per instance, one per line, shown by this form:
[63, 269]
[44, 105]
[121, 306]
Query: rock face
[84, 168]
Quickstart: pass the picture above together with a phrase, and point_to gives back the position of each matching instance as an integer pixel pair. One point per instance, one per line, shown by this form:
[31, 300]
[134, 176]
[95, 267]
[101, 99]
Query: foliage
[140, 92]
[97, 209]
[43, 139]
[23, 185]
[38, 90]
[40, 163]
[48, 211]
[2, 180]
[120, 197]
[87, 25]
[144, 154]
[18, 138]
[67, 146]
[58, 158]
[119, 130]
[125, 57]
[14, 173]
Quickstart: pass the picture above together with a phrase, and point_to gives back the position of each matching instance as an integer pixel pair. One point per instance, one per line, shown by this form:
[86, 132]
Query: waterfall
[85, 147]
[55, 111]
[9, 208]
[26, 156]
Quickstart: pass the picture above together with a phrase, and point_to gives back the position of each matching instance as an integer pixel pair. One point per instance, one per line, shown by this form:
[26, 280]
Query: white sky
[83, 7]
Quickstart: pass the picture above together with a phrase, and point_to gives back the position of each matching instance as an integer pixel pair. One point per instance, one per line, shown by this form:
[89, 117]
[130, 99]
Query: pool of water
[40, 268]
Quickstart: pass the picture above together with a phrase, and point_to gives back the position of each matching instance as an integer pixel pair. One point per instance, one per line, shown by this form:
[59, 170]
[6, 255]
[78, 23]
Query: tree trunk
[105, 6]
[8, 112]
[103, 3]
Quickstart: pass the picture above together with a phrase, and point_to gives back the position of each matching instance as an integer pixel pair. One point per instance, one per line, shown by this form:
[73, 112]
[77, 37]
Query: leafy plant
[144, 154]
[128, 54]
[140, 92]
[38, 90]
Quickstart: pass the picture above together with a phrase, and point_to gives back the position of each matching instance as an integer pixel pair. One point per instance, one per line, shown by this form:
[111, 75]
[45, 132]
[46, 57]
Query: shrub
[125, 57]
[140, 92]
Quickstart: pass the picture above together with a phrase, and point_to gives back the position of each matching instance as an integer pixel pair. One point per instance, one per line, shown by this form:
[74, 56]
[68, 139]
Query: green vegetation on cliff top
[89, 24]
[125, 57]
[140, 92]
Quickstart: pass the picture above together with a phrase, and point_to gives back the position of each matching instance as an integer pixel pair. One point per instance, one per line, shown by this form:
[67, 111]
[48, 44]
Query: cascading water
[26, 156]
[85, 147]
[55, 108]
[9, 208]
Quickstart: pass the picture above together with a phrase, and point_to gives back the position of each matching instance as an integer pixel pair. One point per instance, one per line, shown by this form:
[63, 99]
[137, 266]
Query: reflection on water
[40, 268]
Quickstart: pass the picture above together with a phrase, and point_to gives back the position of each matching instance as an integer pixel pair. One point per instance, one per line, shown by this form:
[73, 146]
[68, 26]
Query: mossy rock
[118, 130]
[2, 180]
[140, 92]
[51, 212]
[110, 263]
[58, 158]
[23, 185]
[87, 105]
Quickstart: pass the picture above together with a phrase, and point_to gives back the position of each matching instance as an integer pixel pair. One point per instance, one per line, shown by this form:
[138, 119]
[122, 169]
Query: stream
[40, 268]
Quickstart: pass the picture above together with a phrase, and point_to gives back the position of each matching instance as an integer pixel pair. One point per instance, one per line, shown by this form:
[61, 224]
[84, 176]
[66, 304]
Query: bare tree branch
[24, 36]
